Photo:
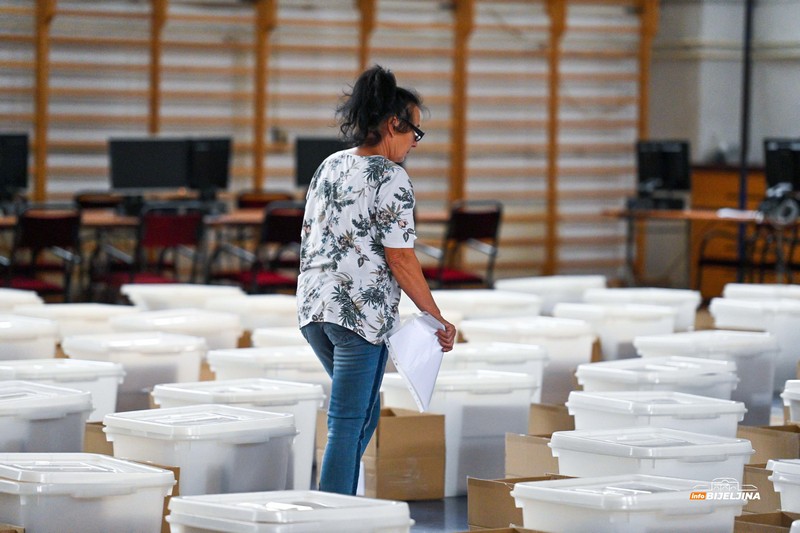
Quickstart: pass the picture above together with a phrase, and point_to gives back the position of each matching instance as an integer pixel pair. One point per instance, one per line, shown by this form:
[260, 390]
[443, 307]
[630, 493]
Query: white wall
[697, 74]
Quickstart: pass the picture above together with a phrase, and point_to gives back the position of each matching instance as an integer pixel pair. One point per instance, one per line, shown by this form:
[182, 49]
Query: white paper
[417, 356]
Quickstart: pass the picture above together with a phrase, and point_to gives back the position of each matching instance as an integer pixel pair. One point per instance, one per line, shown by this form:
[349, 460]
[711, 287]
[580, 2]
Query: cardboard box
[597, 356]
[772, 442]
[764, 523]
[547, 418]
[246, 340]
[206, 374]
[8, 528]
[769, 501]
[490, 505]
[176, 471]
[404, 459]
[529, 456]
[94, 439]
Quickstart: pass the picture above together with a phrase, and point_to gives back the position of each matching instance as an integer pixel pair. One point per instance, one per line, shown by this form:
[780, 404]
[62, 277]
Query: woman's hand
[447, 336]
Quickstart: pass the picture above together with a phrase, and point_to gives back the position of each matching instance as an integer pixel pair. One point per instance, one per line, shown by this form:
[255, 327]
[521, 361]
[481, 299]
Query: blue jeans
[356, 369]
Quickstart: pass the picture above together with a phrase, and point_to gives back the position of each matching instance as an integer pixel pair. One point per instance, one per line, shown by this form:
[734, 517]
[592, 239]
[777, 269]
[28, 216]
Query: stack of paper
[417, 356]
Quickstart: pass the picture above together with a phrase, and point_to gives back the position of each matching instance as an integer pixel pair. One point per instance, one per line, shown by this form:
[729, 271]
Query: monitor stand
[131, 205]
[651, 203]
[12, 202]
[208, 198]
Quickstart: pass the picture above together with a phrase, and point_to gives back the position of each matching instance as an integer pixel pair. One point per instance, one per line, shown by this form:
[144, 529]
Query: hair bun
[375, 97]
[385, 86]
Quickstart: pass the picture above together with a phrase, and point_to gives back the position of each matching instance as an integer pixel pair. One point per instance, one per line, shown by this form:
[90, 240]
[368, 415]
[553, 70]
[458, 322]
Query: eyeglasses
[418, 133]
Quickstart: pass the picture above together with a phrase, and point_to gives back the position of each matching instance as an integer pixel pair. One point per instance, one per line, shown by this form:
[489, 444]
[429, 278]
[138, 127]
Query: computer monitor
[662, 165]
[310, 152]
[149, 163]
[209, 164]
[782, 162]
[13, 163]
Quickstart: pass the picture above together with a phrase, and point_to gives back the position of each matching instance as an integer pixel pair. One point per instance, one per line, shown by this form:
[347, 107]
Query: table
[90, 218]
[634, 241]
[108, 218]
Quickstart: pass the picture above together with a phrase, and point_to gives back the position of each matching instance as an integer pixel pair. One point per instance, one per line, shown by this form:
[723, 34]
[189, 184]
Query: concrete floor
[439, 516]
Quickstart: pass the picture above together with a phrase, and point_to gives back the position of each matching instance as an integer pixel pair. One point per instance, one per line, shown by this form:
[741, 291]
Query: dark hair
[375, 97]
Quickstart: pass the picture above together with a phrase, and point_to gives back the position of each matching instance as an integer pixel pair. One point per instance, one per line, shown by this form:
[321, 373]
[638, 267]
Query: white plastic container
[77, 318]
[568, 343]
[624, 504]
[691, 375]
[791, 399]
[10, 298]
[684, 301]
[500, 356]
[100, 378]
[81, 493]
[148, 359]
[220, 330]
[157, 296]
[409, 311]
[761, 291]
[753, 352]
[302, 400]
[617, 324]
[42, 418]
[219, 448]
[553, 289]
[786, 481]
[289, 363]
[278, 336]
[665, 409]
[287, 512]
[779, 317]
[24, 337]
[480, 303]
[651, 451]
[259, 310]
[480, 407]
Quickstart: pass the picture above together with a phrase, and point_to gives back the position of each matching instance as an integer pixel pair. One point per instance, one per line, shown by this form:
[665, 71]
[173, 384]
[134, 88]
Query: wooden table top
[711, 215]
[108, 218]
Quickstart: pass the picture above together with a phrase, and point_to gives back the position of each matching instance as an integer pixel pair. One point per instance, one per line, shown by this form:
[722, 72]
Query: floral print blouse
[354, 207]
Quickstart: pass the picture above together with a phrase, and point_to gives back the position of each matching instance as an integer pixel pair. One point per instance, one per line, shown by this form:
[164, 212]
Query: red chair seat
[263, 278]
[34, 284]
[451, 276]
[118, 279]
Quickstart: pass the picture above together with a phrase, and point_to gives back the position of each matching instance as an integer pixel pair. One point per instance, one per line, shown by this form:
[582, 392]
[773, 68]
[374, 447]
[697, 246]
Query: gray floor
[435, 516]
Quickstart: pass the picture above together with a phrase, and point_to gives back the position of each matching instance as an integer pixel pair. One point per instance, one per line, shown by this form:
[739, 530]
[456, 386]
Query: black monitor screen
[147, 163]
[782, 162]
[663, 165]
[310, 152]
[13, 161]
[209, 163]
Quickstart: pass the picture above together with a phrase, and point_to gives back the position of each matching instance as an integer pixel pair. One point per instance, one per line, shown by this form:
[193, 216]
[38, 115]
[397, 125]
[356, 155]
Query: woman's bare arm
[407, 271]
